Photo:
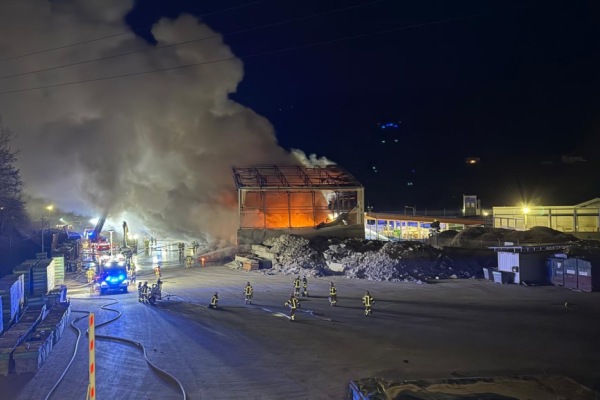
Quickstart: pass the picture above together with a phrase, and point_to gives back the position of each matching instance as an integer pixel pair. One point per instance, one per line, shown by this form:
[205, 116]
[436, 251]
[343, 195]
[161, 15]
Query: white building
[580, 218]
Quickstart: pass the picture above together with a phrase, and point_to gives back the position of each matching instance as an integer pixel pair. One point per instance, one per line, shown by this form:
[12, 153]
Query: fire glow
[273, 210]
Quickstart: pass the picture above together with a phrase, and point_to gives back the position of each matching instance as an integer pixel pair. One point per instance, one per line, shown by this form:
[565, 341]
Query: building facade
[579, 218]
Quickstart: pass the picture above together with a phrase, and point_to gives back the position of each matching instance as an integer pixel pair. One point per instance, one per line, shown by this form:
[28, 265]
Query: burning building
[306, 201]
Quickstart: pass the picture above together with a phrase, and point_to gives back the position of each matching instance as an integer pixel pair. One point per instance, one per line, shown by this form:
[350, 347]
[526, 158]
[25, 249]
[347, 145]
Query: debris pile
[364, 259]
[464, 257]
[294, 255]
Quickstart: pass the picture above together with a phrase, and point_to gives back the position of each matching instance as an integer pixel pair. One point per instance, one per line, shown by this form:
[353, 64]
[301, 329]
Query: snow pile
[363, 259]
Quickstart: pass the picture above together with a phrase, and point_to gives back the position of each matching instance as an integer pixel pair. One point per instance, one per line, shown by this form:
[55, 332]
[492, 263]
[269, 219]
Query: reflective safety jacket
[297, 283]
[214, 300]
[332, 291]
[293, 303]
[248, 290]
[305, 282]
[368, 300]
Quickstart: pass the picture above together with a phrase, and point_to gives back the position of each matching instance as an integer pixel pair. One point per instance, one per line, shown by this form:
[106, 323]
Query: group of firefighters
[294, 303]
[145, 291]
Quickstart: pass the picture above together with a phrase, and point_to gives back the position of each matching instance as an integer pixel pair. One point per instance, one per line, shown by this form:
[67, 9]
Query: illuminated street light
[525, 212]
[94, 221]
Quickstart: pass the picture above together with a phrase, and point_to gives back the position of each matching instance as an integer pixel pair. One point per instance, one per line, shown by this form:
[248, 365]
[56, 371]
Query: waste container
[585, 276]
[497, 275]
[487, 274]
[570, 273]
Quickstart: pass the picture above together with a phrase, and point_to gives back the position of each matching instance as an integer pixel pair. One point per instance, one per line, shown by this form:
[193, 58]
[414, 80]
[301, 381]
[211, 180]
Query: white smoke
[157, 148]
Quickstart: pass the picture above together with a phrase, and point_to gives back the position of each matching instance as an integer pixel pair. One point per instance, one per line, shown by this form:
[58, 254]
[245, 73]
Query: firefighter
[145, 292]
[214, 301]
[368, 302]
[188, 261]
[140, 294]
[157, 271]
[90, 275]
[305, 286]
[248, 292]
[292, 303]
[332, 295]
[297, 286]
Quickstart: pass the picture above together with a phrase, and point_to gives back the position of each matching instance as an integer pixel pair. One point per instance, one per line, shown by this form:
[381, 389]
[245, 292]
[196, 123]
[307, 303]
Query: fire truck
[112, 276]
[92, 240]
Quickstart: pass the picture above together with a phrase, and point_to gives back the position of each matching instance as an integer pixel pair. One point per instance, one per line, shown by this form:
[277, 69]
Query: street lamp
[111, 243]
[525, 212]
[49, 208]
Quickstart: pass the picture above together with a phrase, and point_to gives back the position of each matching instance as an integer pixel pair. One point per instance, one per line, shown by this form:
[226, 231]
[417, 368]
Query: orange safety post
[92, 363]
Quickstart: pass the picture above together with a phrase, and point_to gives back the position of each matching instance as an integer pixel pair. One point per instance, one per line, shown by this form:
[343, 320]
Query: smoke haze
[154, 149]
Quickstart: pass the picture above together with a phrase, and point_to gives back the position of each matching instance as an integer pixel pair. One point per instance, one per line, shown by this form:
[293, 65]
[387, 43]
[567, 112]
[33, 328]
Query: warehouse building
[306, 201]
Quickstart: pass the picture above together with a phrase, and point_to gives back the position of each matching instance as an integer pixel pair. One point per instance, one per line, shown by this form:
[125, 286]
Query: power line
[118, 34]
[276, 51]
[238, 32]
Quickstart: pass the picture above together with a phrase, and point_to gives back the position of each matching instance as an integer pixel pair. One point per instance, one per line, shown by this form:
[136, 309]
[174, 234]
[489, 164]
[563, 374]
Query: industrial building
[582, 220]
[306, 201]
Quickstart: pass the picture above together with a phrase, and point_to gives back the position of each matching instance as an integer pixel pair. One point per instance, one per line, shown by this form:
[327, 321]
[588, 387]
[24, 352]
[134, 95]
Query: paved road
[447, 329]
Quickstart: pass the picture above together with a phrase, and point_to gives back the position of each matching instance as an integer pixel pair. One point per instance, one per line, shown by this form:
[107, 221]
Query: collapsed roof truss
[294, 177]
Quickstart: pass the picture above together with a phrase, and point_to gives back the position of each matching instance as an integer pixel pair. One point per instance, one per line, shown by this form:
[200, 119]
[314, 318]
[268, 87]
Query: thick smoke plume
[154, 149]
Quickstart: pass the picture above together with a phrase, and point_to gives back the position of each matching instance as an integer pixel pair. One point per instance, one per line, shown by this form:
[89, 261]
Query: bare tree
[12, 198]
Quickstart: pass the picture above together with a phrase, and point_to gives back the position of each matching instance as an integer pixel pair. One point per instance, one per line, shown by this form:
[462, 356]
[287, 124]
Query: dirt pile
[484, 237]
[294, 255]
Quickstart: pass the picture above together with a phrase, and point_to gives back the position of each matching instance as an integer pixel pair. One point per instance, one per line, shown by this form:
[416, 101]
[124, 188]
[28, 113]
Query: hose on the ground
[162, 374]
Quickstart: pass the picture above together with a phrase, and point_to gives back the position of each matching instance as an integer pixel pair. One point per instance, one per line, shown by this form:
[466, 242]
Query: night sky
[514, 83]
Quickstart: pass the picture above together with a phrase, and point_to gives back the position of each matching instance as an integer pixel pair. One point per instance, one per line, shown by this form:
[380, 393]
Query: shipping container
[570, 273]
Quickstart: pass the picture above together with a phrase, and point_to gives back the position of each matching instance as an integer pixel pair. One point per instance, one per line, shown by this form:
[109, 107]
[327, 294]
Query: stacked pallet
[42, 277]
[59, 269]
[12, 298]
[26, 268]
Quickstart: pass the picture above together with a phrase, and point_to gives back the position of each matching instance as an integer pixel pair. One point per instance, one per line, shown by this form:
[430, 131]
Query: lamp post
[49, 208]
[111, 243]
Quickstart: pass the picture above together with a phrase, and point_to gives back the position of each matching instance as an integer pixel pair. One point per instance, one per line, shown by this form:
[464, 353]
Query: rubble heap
[294, 255]
[364, 259]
